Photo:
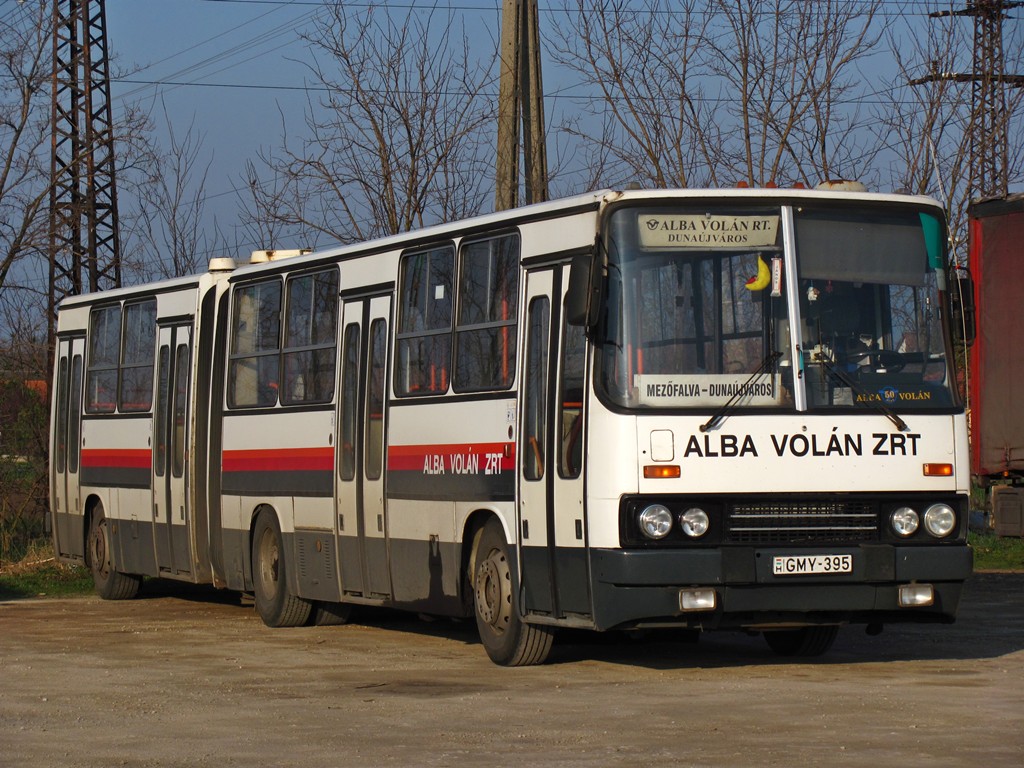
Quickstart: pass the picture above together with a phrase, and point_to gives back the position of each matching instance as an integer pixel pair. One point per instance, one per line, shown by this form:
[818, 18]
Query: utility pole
[520, 94]
[85, 253]
[989, 130]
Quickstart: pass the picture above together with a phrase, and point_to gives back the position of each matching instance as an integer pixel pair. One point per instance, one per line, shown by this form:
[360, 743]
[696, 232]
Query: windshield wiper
[878, 405]
[718, 416]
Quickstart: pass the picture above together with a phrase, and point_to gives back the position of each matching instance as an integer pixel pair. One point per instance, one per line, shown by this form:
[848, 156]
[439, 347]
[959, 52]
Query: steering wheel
[890, 360]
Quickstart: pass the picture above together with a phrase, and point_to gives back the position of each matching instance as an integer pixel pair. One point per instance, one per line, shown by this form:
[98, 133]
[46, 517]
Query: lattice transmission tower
[989, 126]
[85, 252]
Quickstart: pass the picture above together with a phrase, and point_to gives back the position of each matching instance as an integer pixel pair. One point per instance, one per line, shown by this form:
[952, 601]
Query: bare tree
[927, 120]
[720, 91]
[25, 68]
[170, 223]
[638, 64]
[401, 136]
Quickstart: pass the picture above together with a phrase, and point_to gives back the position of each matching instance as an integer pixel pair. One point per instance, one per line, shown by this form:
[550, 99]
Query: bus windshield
[701, 313]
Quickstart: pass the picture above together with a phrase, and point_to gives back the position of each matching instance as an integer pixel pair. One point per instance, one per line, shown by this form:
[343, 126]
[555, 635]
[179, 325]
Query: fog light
[916, 595]
[697, 599]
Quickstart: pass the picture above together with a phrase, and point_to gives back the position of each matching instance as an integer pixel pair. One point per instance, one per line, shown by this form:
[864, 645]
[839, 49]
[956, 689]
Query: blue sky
[231, 68]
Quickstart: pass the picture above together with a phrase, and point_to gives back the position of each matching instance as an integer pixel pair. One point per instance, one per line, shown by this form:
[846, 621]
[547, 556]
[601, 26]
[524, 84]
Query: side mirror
[961, 304]
[583, 297]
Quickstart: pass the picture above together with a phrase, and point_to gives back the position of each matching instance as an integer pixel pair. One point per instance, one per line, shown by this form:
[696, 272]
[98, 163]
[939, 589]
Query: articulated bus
[702, 409]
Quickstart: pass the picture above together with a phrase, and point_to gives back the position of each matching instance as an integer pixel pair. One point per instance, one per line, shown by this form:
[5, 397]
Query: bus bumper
[643, 588]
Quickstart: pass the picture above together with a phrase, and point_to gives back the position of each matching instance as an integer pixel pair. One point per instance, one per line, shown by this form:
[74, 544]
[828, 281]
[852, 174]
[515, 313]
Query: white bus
[705, 409]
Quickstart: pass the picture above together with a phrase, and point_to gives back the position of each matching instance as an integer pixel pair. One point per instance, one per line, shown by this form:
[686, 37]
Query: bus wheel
[508, 640]
[275, 605]
[806, 641]
[110, 584]
[330, 614]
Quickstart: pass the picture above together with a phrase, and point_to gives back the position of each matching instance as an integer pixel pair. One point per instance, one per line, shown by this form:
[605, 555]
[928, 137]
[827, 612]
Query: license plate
[800, 565]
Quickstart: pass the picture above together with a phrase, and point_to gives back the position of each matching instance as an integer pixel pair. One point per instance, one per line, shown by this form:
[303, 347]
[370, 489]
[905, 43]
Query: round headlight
[655, 521]
[694, 522]
[939, 520]
[905, 521]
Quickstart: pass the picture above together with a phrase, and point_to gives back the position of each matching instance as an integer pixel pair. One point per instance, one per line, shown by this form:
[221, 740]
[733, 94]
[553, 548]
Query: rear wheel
[508, 640]
[806, 641]
[110, 584]
[330, 614]
[274, 603]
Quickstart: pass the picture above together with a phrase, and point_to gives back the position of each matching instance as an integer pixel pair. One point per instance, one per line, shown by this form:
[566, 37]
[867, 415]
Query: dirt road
[190, 677]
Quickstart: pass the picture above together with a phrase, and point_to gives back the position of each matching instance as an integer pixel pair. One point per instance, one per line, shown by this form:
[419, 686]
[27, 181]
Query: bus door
[361, 516]
[70, 536]
[552, 516]
[170, 440]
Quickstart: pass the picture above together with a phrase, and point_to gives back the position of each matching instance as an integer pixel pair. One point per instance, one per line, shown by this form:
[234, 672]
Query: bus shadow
[990, 624]
[159, 589]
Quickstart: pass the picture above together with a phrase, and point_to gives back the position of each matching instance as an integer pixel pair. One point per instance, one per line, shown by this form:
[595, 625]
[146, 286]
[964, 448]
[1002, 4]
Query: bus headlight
[939, 520]
[655, 521]
[904, 521]
[694, 522]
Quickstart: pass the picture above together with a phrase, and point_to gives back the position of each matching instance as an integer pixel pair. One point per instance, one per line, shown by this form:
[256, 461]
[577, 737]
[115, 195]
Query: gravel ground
[187, 676]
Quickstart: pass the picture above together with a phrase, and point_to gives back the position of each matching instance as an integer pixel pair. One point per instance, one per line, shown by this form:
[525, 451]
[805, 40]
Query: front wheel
[274, 603]
[508, 640]
[805, 641]
[110, 583]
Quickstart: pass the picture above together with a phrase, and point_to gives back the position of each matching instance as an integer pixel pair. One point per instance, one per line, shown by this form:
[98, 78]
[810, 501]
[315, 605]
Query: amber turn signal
[661, 471]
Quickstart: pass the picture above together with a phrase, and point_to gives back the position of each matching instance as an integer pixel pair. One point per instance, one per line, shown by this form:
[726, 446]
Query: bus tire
[274, 603]
[805, 641]
[327, 614]
[109, 583]
[508, 640]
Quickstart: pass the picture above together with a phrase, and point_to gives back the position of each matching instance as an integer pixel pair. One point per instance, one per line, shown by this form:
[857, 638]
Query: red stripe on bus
[415, 457]
[117, 458]
[279, 460]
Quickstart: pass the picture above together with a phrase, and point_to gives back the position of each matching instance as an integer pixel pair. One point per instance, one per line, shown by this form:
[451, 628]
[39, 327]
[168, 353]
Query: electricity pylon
[85, 252]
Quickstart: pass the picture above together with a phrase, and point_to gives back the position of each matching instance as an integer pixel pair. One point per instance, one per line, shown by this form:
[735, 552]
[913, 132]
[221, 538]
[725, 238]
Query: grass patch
[39, 574]
[994, 553]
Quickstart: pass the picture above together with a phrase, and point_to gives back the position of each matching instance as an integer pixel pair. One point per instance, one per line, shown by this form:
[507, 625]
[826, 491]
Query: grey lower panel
[556, 581]
[235, 556]
[133, 543]
[634, 588]
[425, 576]
[70, 534]
[315, 567]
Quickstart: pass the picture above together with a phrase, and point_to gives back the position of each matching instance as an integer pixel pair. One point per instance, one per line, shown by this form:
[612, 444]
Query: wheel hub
[492, 603]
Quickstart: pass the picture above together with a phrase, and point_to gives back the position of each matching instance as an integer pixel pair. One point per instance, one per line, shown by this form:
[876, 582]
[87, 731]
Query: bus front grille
[784, 522]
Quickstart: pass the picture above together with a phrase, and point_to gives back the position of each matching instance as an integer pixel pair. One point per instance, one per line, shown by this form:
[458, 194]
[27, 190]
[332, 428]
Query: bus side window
[485, 331]
[253, 374]
[424, 331]
[535, 401]
[570, 400]
[104, 351]
[375, 399]
[311, 326]
[135, 391]
[349, 402]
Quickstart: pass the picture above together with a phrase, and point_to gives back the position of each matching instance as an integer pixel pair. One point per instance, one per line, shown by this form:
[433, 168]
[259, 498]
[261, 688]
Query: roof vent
[222, 264]
[841, 185]
[262, 257]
